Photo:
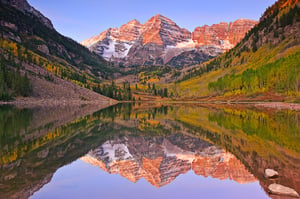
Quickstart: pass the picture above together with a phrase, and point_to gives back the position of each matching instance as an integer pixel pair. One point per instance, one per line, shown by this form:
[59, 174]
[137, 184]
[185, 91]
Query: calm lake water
[147, 151]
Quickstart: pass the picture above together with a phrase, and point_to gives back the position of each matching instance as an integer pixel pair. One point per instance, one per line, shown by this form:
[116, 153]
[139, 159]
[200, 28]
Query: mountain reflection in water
[149, 141]
[161, 159]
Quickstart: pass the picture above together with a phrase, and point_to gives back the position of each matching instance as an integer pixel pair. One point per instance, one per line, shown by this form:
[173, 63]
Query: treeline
[18, 52]
[204, 68]
[153, 90]
[116, 92]
[283, 76]
[12, 83]
[150, 72]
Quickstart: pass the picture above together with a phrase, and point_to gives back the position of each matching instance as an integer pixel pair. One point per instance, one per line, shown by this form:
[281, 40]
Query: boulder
[43, 48]
[43, 154]
[278, 189]
[270, 173]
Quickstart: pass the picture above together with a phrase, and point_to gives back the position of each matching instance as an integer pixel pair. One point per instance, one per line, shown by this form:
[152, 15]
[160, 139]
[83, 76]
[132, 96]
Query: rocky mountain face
[160, 40]
[160, 160]
[223, 35]
[24, 6]
[190, 58]
[115, 43]
[163, 31]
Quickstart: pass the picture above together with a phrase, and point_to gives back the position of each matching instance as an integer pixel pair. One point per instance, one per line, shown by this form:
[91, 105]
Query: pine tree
[165, 92]
[3, 88]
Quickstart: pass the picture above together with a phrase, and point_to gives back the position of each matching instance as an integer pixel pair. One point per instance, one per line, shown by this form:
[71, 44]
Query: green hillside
[267, 60]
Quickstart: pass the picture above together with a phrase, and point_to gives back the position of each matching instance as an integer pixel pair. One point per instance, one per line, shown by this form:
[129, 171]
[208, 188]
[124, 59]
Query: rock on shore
[278, 189]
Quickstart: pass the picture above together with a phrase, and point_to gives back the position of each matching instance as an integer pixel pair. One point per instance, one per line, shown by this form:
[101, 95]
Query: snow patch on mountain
[186, 44]
[160, 39]
[112, 48]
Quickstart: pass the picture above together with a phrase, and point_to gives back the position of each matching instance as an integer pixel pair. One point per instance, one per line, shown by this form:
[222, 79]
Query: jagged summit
[163, 31]
[130, 31]
[160, 39]
[134, 21]
[225, 35]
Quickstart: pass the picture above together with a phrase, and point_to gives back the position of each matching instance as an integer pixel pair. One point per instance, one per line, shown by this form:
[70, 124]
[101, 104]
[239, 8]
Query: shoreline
[31, 102]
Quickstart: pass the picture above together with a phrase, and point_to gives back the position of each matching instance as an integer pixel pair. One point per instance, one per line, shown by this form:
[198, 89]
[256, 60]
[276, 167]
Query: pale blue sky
[81, 19]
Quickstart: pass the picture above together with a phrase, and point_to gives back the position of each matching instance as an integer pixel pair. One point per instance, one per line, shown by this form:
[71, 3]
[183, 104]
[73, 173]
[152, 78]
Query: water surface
[147, 151]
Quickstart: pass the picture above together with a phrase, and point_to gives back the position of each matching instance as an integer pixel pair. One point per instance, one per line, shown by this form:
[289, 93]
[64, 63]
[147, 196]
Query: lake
[147, 151]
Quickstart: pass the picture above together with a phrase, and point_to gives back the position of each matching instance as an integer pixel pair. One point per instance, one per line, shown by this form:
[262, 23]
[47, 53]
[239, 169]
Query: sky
[82, 19]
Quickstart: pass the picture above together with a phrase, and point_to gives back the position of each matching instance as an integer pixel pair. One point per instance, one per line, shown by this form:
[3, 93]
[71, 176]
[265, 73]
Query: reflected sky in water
[82, 180]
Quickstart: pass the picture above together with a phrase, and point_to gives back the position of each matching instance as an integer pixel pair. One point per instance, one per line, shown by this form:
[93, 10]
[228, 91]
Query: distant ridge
[160, 39]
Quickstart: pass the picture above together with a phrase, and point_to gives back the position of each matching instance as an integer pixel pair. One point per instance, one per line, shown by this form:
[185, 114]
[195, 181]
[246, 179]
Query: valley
[244, 60]
[149, 108]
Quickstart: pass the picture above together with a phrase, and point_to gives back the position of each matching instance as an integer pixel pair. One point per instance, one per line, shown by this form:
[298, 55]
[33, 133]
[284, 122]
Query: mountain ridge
[24, 6]
[58, 67]
[160, 39]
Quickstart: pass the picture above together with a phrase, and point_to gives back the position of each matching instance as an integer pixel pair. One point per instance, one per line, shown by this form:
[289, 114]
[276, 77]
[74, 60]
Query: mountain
[223, 35]
[161, 160]
[56, 66]
[263, 66]
[160, 39]
[115, 42]
[24, 7]
[163, 31]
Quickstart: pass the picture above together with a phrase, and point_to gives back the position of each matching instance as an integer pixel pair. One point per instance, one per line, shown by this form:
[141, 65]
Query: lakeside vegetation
[12, 82]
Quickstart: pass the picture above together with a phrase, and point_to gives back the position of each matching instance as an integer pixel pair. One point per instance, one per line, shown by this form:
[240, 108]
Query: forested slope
[266, 61]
